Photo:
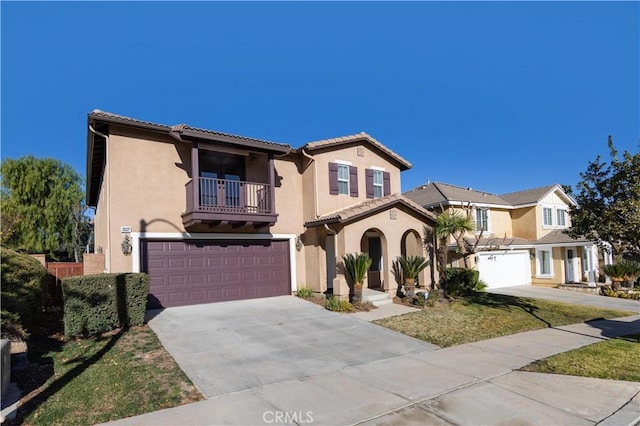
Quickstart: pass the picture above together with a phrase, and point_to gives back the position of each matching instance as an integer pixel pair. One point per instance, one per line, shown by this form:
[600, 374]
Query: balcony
[229, 202]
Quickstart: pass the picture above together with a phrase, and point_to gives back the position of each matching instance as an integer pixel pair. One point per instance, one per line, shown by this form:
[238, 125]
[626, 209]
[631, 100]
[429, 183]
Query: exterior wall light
[298, 243]
[126, 245]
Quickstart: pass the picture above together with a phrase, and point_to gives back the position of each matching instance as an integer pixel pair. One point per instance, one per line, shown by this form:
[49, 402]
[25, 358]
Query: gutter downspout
[315, 187]
[106, 162]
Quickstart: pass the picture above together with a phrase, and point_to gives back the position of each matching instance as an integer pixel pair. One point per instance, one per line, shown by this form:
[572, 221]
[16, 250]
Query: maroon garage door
[192, 272]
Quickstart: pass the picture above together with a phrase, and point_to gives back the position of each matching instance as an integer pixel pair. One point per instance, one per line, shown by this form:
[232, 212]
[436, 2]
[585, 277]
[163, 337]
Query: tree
[608, 203]
[455, 224]
[41, 198]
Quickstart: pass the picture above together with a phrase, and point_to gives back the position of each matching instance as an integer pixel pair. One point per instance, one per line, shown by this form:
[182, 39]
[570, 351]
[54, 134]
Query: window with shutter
[333, 179]
[386, 182]
[368, 174]
[353, 181]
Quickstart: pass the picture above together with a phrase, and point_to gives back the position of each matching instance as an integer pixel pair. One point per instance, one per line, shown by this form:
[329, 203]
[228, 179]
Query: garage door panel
[504, 268]
[183, 273]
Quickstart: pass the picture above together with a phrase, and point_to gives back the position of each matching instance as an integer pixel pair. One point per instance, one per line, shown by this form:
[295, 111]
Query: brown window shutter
[386, 183]
[333, 179]
[368, 173]
[353, 181]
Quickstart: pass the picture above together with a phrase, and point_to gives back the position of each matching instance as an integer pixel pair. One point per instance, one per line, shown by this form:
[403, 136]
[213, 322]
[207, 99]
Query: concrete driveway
[567, 296]
[286, 361]
[233, 346]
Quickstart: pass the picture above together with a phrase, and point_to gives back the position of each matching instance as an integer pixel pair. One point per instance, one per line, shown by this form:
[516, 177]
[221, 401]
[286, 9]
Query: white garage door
[505, 268]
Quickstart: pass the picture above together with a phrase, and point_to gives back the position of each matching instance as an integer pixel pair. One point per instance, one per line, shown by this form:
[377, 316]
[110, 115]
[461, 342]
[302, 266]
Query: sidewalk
[468, 384]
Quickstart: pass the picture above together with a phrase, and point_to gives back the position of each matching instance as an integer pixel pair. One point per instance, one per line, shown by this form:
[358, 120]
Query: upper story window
[547, 216]
[554, 216]
[482, 219]
[378, 182]
[561, 215]
[343, 179]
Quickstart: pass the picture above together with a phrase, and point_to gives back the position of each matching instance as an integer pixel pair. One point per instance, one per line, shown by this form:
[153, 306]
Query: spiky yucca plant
[411, 268]
[356, 266]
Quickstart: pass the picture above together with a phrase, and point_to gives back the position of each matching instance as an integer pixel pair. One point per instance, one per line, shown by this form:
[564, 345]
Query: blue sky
[499, 96]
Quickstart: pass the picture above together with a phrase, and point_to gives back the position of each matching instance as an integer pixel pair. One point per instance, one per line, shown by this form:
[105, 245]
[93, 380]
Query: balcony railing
[229, 200]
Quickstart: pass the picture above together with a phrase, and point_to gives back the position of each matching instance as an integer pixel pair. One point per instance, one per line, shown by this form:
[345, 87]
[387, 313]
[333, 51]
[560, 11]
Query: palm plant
[625, 270]
[454, 223]
[356, 267]
[411, 268]
[617, 272]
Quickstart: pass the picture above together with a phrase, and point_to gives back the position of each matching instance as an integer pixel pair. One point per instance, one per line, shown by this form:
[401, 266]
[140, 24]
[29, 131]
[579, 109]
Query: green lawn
[97, 380]
[487, 315]
[615, 359]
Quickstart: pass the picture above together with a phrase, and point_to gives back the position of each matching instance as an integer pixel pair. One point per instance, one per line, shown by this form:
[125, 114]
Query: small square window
[343, 179]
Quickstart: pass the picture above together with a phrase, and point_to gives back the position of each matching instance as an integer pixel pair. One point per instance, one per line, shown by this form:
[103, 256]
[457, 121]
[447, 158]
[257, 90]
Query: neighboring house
[523, 239]
[215, 217]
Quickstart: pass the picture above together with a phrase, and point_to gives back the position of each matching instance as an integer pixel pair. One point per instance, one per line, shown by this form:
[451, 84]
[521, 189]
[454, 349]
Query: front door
[570, 266]
[375, 253]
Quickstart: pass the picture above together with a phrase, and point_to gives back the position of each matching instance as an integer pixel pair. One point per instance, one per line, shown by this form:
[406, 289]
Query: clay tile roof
[528, 196]
[178, 128]
[356, 211]
[438, 192]
[362, 136]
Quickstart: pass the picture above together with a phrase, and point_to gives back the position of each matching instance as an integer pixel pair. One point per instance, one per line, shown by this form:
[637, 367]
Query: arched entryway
[374, 243]
[411, 244]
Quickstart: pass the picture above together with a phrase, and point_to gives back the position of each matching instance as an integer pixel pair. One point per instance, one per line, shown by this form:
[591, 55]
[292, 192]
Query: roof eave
[247, 143]
[400, 162]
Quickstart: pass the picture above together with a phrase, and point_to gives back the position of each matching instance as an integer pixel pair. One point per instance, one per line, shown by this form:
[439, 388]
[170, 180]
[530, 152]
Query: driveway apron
[233, 346]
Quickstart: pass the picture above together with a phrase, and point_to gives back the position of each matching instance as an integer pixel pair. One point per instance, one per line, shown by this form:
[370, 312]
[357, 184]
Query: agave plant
[356, 267]
[411, 268]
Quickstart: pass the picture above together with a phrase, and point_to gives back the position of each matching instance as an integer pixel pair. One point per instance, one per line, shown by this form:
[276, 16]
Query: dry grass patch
[614, 359]
[485, 315]
[97, 380]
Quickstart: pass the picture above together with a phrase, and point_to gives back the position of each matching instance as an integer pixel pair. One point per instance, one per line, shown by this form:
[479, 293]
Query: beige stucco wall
[499, 223]
[392, 230]
[524, 223]
[147, 186]
[147, 174]
[558, 254]
[551, 200]
[329, 203]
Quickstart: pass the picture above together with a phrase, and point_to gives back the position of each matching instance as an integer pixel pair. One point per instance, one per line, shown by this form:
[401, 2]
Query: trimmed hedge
[95, 304]
[461, 281]
[23, 284]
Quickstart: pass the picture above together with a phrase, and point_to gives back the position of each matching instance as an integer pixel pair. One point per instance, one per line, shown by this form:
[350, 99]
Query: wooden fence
[60, 270]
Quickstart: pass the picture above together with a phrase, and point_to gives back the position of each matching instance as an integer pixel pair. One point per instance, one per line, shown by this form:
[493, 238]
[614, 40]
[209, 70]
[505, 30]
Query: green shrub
[337, 305]
[94, 304]
[433, 297]
[22, 291]
[305, 293]
[480, 286]
[419, 299]
[460, 281]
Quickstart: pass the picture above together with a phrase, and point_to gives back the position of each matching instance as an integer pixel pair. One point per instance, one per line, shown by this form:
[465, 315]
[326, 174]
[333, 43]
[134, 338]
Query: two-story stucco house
[523, 240]
[215, 217]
